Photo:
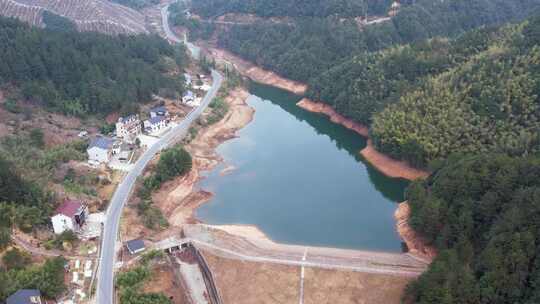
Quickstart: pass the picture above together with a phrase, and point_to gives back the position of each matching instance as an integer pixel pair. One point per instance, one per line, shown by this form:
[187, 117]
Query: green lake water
[301, 180]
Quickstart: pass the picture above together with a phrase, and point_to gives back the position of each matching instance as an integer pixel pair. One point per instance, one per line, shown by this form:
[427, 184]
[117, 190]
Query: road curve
[105, 287]
[193, 49]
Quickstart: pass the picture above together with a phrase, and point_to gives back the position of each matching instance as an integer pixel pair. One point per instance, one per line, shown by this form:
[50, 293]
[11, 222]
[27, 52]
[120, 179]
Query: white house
[155, 125]
[204, 87]
[100, 150]
[71, 215]
[128, 128]
[159, 111]
[188, 96]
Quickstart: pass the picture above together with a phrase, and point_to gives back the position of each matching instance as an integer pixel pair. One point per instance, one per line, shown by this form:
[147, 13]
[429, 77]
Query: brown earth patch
[256, 73]
[335, 117]
[389, 166]
[416, 245]
[241, 282]
[247, 282]
[323, 286]
[163, 280]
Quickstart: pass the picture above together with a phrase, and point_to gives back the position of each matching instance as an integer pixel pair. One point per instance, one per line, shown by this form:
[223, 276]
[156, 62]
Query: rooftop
[69, 208]
[24, 296]
[128, 118]
[101, 142]
[156, 119]
[159, 109]
[135, 245]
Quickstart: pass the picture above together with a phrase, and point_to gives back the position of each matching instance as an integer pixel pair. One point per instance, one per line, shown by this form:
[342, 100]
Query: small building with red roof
[70, 215]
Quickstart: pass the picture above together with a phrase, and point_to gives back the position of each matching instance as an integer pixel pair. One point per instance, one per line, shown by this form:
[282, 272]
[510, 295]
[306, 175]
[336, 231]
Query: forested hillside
[137, 4]
[488, 103]
[293, 8]
[369, 82]
[482, 214]
[311, 46]
[86, 73]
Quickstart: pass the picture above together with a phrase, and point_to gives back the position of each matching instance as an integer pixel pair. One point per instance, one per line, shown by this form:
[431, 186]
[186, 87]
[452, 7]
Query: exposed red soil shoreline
[389, 166]
[385, 164]
[335, 117]
[417, 246]
[256, 73]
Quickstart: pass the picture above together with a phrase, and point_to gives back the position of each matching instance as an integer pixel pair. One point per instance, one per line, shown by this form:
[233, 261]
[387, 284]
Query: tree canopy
[306, 46]
[487, 103]
[48, 278]
[85, 73]
[480, 212]
[292, 8]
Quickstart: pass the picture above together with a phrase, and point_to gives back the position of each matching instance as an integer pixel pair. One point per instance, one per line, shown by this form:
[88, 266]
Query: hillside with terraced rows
[88, 15]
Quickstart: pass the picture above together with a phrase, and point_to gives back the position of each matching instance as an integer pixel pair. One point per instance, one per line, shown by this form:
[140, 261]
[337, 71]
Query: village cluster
[116, 151]
[131, 132]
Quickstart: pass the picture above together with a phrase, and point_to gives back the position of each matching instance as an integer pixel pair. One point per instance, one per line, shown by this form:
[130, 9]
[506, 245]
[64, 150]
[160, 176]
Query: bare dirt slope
[247, 282]
[88, 15]
[330, 286]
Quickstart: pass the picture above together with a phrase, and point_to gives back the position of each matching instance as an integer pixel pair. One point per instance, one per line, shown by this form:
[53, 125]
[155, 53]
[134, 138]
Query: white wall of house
[128, 129]
[98, 155]
[61, 223]
[157, 128]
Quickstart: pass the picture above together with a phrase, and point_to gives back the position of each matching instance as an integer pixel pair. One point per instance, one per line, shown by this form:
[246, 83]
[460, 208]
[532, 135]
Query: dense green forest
[48, 278]
[377, 79]
[292, 8]
[86, 73]
[196, 29]
[312, 45]
[137, 4]
[58, 23]
[488, 103]
[22, 202]
[481, 213]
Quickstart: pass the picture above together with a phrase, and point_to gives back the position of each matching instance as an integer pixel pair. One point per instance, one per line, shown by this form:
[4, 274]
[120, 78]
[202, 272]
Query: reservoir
[300, 179]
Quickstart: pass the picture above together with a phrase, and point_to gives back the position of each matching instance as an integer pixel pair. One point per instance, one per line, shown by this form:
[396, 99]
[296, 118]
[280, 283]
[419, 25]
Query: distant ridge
[88, 15]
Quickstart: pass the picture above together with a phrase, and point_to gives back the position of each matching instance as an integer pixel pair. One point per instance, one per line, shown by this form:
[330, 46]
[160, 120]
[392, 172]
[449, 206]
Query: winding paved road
[193, 49]
[105, 288]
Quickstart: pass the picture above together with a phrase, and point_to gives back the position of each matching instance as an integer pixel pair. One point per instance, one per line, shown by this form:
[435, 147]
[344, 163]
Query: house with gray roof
[135, 246]
[25, 296]
[156, 125]
[159, 111]
[99, 150]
